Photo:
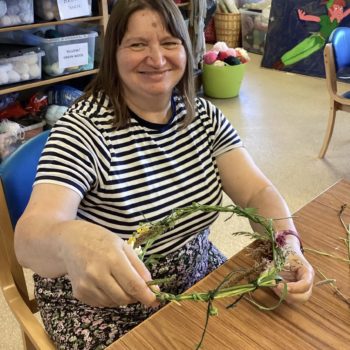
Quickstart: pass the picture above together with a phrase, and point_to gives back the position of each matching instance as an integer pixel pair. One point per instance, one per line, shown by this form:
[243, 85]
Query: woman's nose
[156, 56]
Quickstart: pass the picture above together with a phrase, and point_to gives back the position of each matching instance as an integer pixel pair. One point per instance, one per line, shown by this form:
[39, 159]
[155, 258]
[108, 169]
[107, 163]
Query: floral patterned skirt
[74, 325]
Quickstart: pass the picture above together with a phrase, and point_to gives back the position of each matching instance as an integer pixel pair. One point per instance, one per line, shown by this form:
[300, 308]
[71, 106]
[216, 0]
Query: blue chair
[337, 66]
[17, 174]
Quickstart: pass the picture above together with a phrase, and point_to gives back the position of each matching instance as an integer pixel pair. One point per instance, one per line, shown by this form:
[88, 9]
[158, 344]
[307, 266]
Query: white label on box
[72, 55]
[73, 8]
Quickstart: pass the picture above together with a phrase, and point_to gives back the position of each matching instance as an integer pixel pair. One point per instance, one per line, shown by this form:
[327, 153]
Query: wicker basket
[228, 28]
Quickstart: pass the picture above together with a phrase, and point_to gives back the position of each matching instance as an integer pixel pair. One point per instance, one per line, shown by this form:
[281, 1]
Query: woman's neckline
[152, 125]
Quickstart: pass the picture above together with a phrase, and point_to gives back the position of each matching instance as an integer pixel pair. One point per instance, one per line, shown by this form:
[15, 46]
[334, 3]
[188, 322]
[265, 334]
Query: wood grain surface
[322, 323]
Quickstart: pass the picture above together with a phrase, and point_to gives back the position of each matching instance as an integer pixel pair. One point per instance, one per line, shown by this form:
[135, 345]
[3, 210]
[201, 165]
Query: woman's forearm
[40, 244]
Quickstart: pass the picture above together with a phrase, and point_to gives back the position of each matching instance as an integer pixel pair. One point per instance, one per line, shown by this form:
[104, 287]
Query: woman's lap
[73, 325]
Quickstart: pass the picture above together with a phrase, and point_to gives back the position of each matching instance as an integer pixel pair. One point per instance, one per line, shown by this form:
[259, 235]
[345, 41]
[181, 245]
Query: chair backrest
[340, 40]
[17, 173]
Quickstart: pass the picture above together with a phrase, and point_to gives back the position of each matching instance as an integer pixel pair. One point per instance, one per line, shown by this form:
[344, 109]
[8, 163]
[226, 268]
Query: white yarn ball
[3, 8]
[34, 71]
[5, 21]
[6, 67]
[56, 70]
[49, 15]
[25, 5]
[14, 77]
[47, 5]
[61, 110]
[26, 17]
[31, 58]
[13, 10]
[25, 76]
[4, 79]
[21, 67]
[56, 12]
[15, 20]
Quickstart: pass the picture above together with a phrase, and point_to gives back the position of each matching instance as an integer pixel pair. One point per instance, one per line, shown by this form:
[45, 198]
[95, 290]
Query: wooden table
[322, 323]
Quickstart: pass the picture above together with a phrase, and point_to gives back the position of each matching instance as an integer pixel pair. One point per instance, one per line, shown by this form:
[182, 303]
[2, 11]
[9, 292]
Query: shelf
[43, 82]
[101, 18]
[51, 23]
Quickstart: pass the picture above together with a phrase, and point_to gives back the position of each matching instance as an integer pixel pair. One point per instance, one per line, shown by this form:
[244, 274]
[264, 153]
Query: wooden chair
[17, 175]
[337, 66]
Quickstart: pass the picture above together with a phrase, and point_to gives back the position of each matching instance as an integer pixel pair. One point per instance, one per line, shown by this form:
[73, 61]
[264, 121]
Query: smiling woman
[135, 146]
[151, 63]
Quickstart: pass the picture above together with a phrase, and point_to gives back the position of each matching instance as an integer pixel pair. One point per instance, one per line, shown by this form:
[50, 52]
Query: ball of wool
[3, 8]
[21, 67]
[4, 78]
[232, 52]
[6, 67]
[220, 46]
[5, 21]
[243, 54]
[25, 5]
[13, 10]
[52, 34]
[25, 76]
[219, 63]
[47, 5]
[232, 61]
[210, 57]
[223, 55]
[34, 71]
[14, 77]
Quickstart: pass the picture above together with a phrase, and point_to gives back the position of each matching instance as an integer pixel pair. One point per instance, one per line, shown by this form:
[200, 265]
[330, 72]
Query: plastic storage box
[16, 12]
[71, 48]
[49, 9]
[19, 63]
[254, 29]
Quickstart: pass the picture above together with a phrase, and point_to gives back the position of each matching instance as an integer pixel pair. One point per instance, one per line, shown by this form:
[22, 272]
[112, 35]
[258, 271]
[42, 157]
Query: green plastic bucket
[222, 82]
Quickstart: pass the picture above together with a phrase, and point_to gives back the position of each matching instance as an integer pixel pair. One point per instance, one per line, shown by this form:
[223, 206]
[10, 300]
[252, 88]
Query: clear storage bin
[254, 29]
[70, 50]
[49, 9]
[16, 12]
[19, 63]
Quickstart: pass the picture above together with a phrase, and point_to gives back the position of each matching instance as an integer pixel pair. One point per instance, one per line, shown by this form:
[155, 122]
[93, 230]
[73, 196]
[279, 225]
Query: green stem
[326, 254]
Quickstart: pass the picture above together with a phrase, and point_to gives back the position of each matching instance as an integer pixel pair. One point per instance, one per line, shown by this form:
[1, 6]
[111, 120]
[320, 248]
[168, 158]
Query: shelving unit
[101, 19]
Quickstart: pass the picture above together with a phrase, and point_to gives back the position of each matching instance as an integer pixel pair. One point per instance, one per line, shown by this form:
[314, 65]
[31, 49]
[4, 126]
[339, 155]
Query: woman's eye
[137, 46]
[171, 44]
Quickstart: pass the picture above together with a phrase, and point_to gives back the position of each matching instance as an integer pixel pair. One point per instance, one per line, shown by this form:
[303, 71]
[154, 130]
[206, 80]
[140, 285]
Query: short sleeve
[74, 155]
[223, 136]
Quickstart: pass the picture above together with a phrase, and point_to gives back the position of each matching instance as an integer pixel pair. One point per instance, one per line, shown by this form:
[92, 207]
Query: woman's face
[150, 60]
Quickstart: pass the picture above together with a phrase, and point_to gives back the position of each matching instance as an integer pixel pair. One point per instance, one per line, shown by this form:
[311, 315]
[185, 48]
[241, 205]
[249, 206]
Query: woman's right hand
[103, 269]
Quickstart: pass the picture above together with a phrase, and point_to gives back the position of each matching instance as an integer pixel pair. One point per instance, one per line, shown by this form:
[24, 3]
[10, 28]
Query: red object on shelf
[209, 33]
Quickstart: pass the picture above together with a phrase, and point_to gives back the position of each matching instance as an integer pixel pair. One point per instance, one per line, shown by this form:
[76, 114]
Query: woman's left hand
[299, 276]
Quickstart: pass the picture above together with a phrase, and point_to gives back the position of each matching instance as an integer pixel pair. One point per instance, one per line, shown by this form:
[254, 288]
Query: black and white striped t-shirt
[142, 172]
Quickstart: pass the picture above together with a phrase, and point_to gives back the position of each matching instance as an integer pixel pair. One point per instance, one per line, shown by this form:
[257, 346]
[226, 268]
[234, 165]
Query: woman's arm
[104, 271]
[247, 186]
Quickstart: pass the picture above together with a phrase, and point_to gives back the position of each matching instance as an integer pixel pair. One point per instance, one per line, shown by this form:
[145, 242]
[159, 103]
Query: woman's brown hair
[107, 79]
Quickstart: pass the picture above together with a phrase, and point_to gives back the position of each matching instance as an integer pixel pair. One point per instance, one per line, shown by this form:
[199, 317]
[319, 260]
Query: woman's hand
[298, 275]
[105, 271]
